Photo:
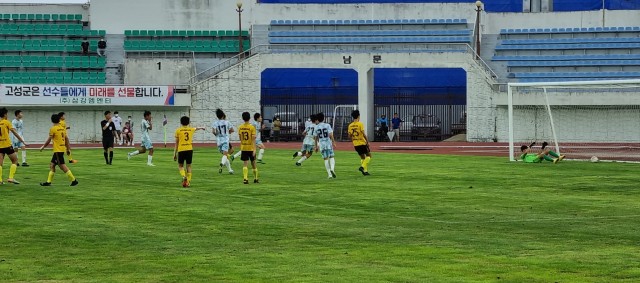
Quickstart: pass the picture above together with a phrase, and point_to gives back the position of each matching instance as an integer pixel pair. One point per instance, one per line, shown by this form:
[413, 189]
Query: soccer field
[417, 218]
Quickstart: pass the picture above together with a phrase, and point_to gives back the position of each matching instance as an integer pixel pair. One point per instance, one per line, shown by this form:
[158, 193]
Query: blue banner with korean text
[50, 95]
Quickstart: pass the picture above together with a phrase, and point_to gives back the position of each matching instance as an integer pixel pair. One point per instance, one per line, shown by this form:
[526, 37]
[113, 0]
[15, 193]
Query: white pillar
[365, 100]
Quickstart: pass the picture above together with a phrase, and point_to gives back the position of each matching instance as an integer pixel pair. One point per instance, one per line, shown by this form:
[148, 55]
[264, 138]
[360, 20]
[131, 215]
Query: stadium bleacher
[44, 48]
[369, 31]
[199, 41]
[556, 54]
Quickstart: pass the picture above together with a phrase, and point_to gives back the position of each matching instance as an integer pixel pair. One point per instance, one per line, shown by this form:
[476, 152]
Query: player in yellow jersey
[6, 148]
[63, 124]
[183, 151]
[360, 142]
[58, 134]
[247, 133]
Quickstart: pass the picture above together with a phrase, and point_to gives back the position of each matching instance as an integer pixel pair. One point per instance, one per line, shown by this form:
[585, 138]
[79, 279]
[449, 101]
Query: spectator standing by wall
[276, 128]
[395, 123]
[117, 121]
[102, 47]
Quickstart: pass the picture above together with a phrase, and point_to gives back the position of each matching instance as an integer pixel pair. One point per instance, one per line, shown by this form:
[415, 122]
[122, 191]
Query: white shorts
[146, 144]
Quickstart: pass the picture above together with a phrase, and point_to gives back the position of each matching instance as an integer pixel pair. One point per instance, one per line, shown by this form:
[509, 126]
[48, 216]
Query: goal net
[577, 119]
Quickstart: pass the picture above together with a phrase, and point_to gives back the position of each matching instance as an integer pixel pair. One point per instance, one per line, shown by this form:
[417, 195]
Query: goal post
[579, 119]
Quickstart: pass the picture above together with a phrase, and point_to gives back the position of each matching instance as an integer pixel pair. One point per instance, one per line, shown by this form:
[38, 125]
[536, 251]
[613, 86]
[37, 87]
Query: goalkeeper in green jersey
[529, 155]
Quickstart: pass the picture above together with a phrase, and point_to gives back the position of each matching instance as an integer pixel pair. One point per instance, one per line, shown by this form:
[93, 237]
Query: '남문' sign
[24, 94]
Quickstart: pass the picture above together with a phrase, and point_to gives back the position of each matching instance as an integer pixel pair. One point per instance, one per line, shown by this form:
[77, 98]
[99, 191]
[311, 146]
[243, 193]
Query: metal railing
[341, 48]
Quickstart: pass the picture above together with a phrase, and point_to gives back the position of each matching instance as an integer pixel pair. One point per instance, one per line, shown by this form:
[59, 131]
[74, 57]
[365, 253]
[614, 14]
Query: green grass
[418, 218]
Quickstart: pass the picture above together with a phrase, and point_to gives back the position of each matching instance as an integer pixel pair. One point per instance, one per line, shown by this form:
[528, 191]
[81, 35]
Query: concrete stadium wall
[45, 9]
[234, 90]
[117, 15]
[147, 71]
[238, 88]
[84, 122]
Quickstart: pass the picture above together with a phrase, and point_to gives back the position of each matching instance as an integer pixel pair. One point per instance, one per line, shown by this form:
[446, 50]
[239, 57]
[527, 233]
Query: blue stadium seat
[573, 63]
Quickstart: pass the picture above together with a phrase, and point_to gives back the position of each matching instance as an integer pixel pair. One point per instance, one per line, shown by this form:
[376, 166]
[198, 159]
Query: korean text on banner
[13, 94]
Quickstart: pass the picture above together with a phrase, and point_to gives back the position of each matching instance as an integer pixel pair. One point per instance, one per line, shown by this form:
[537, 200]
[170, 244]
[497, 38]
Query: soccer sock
[0, 173]
[229, 165]
[134, 153]
[110, 157]
[24, 156]
[553, 153]
[302, 159]
[327, 166]
[106, 157]
[189, 177]
[224, 160]
[50, 177]
[548, 158]
[365, 163]
[332, 161]
[182, 173]
[260, 153]
[245, 173]
[237, 154]
[12, 170]
[255, 174]
[70, 175]
[149, 159]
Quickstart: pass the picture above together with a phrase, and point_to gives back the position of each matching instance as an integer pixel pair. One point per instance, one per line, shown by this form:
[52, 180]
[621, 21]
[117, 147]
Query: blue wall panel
[623, 4]
[576, 5]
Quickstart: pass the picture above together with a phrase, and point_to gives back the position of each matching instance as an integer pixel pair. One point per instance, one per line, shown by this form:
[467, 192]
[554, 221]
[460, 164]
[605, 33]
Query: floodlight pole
[477, 35]
[240, 47]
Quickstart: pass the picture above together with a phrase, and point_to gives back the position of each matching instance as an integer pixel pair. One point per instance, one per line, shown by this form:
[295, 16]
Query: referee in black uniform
[108, 127]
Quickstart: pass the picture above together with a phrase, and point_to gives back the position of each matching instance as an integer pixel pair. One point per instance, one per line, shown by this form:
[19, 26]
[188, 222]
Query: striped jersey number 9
[323, 133]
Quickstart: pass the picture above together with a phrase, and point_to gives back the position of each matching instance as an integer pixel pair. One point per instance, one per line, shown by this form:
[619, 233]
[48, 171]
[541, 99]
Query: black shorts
[362, 149]
[247, 156]
[58, 158]
[7, 150]
[185, 156]
[107, 143]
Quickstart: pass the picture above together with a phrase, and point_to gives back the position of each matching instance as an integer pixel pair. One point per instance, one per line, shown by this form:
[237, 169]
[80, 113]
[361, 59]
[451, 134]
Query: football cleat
[366, 173]
[220, 169]
[361, 169]
[333, 174]
[185, 183]
[245, 181]
[298, 164]
[13, 181]
[255, 181]
[45, 184]
[74, 183]
[295, 154]
[151, 164]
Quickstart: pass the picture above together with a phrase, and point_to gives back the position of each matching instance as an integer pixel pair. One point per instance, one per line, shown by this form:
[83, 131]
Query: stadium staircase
[398, 36]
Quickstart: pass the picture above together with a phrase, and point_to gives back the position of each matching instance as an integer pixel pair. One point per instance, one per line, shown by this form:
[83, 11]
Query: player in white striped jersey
[325, 144]
[145, 127]
[222, 129]
[309, 140]
[17, 144]
[257, 123]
